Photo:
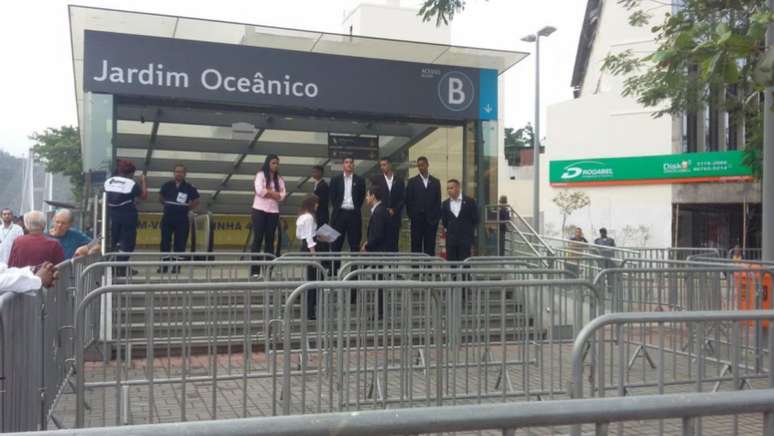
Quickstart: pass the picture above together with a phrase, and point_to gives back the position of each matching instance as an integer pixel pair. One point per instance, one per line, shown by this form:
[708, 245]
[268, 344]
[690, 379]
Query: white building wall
[389, 20]
[603, 124]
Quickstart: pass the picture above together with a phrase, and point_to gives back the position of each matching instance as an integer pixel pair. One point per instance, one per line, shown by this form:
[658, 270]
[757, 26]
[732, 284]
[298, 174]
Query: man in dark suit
[459, 215]
[423, 206]
[347, 193]
[379, 232]
[380, 223]
[322, 191]
[394, 192]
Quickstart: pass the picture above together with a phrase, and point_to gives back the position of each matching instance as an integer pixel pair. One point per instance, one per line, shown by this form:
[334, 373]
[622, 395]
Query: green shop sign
[642, 170]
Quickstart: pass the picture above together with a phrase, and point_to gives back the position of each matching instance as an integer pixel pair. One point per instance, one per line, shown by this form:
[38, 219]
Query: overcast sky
[37, 75]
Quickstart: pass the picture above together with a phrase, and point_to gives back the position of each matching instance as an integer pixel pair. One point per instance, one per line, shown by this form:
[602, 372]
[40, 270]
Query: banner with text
[724, 166]
[137, 65]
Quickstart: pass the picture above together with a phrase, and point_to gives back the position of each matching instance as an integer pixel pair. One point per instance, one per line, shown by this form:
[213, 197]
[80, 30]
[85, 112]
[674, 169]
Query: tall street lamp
[536, 138]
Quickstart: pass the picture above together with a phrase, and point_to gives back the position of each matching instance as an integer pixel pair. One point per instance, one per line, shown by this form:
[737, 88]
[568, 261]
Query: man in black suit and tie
[322, 191]
[459, 215]
[423, 206]
[379, 233]
[380, 224]
[394, 192]
[347, 194]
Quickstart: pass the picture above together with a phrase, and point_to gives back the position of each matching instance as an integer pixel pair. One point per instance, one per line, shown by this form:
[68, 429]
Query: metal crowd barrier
[21, 352]
[410, 343]
[188, 255]
[499, 330]
[686, 286]
[465, 272]
[504, 419]
[58, 310]
[179, 351]
[633, 354]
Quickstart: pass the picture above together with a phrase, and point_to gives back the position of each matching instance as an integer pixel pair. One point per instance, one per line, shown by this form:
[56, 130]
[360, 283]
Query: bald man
[74, 243]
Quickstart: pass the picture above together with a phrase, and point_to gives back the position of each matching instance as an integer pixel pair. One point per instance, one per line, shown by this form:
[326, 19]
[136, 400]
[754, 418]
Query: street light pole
[536, 143]
[536, 131]
[767, 186]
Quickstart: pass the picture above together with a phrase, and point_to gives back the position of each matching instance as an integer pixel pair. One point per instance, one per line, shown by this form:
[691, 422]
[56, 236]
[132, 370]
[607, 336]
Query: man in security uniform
[178, 197]
[122, 194]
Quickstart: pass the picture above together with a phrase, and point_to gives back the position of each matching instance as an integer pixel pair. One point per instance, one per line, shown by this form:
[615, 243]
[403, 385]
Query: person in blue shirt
[74, 243]
[178, 197]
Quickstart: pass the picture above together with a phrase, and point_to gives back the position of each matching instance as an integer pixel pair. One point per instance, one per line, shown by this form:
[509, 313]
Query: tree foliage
[704, 48]
[569, 202]
[442, 11]
[516, 140]
[60, 150]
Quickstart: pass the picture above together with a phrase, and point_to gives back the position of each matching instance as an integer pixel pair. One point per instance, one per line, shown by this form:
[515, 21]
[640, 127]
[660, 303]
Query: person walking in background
[74, 243]
[306, 228]
[607, 256]
[35, 248]
[322, 191]
[423, 207]
[9, 231]
[503, 218]
[575, 248]
[269, 192]
[347, 194]
[178, 197]
[122, 194]
[459, 215]
[394, 192]
[605, 241]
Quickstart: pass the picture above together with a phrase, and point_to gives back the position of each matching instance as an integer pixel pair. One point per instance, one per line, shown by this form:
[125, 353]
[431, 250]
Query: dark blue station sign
[137, 65]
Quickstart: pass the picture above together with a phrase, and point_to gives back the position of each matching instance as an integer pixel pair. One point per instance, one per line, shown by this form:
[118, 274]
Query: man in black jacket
[394, 192]
[459, 215]
[322, 191]
[423, 206]
[380, 223]
[347, 193]
[379, 233]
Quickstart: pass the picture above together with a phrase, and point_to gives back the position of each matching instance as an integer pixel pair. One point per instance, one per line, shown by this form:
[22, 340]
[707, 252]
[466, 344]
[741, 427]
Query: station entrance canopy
[217, 97]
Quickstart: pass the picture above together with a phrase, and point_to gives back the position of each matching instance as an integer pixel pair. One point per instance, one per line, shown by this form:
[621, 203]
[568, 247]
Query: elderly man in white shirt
[28, 279]
[8, 233]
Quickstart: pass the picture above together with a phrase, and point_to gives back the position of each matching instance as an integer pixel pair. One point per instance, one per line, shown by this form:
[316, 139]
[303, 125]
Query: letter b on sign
[456, 91]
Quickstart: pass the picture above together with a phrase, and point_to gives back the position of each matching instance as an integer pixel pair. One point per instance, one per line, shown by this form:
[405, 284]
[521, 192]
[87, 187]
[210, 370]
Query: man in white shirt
[347, 193]
[24, 280]
[394, 198]
[423, 207]
[459, 215]
[8, 233]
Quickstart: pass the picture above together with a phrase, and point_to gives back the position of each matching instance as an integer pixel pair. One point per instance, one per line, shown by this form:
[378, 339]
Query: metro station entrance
[223, 149]
[219, 105]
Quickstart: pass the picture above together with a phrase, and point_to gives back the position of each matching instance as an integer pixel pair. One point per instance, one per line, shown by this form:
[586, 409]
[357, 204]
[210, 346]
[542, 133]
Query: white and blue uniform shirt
[121, 192]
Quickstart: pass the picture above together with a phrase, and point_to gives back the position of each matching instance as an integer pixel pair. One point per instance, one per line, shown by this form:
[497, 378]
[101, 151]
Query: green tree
[568, 203]
[710, 53]
[60, 150]
[515, 140]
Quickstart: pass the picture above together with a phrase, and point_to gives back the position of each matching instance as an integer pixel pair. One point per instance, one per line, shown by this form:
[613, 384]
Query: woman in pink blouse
[269, 191]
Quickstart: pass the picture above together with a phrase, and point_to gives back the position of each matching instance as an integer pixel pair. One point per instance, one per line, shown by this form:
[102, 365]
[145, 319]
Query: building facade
[651, 181]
